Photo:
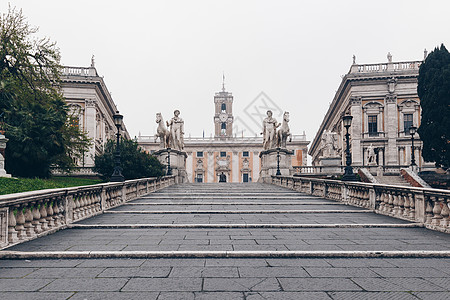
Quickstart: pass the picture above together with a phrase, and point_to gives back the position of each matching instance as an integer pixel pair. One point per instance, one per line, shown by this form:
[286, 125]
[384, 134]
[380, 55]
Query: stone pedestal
[330, 165]
[177, 163]
[269, 163]
[3, 141]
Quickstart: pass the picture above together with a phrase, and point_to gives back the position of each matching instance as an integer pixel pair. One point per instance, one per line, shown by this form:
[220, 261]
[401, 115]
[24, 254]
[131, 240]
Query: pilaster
[391, 129]
[356, 130]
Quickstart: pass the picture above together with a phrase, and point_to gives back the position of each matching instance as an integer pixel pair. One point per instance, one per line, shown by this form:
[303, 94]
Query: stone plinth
[3, 141]
[177, 163]
[330, 165]
[269, 163]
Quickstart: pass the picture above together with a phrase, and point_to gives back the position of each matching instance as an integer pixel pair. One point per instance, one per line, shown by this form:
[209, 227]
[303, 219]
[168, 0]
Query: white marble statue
[176, 125]
[162, 132]
[283, 133]
[270, 126]
[329, 141]
[371, 156]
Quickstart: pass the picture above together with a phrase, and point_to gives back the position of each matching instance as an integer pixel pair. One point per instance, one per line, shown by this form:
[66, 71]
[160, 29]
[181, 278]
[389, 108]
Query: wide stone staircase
[231, 241]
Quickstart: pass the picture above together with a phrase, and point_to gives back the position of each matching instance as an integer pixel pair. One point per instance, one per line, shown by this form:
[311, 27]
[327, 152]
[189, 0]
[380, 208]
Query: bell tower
[223, 116]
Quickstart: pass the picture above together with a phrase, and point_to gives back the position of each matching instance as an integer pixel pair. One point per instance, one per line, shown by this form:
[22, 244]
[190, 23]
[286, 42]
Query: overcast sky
[157, 56]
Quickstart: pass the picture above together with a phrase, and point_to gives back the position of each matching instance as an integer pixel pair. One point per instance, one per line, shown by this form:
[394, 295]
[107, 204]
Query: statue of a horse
[162, 132]
[283, 133]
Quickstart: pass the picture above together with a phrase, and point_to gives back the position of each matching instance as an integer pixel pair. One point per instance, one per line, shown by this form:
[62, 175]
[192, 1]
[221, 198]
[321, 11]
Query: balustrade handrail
[428, 206]
[24, 216]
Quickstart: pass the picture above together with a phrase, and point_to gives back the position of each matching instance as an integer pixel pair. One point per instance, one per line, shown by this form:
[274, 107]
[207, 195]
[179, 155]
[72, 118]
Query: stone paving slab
[341, 218]
[222, 278]
[373, 239]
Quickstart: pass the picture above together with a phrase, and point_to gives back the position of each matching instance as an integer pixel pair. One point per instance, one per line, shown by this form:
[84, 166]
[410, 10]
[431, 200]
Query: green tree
[35, 113]
[434, 93]
[135, 162]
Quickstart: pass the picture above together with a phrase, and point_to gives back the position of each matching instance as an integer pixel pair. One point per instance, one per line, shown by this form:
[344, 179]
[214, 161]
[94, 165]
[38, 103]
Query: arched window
[223, 127]
[224, 107]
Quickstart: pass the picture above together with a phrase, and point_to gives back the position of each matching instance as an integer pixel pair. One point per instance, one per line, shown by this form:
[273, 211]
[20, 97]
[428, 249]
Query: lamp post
[169, 169]
[412, 132]
[278, 162]
[348, 174]
[117, 174]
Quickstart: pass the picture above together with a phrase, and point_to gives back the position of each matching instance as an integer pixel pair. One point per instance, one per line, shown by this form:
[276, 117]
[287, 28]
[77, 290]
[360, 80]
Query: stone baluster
[43, 216]
[428, 210]
[445, 222]
[20, 222]
[412, 206]
[406, 201]
[12, 232]
[50, 214]
[56, 213]
[394, 210]
[436, 220]
[390, 206]
[82, 200]
[401, 205]
[36, 216]
[29, 228]
[76, 206]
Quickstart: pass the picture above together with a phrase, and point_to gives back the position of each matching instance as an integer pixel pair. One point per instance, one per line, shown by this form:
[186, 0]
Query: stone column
[390, 117]
[356, 130]
[3, 141]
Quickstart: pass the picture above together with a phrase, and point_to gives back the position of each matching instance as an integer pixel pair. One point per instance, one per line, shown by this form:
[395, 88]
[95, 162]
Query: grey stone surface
[37, 295]
[164, 284]
[86, 284]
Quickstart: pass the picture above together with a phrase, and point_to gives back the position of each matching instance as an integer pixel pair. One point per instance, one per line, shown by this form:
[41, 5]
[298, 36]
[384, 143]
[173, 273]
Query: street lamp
[117, 174]
[169, 169]
[412, 132]
[278, 162]
[348, 174]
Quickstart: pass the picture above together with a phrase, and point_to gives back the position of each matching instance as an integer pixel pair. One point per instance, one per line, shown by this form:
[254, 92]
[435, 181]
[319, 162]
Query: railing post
[124, 193]
[344, 193]
[420, 207]
[68, 209]
[4, 229]
[372, 197]
[103, 199]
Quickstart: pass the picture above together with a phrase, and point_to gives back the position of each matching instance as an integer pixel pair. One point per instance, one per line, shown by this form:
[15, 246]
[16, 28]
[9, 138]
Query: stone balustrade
[423, 205]
[25, 216]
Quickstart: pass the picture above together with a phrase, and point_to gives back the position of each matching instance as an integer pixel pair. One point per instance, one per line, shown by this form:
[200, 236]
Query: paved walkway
[280, 245]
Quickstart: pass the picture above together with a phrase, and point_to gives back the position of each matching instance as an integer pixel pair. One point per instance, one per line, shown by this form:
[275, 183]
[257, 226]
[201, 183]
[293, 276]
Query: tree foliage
[35, 113]
[434, 93]
[135, 162]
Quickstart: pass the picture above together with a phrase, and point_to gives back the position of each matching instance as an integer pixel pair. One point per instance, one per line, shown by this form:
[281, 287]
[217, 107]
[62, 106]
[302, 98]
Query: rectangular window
[245, 154]
[407, 122]
[223, 154]
[200, 154]
[373, 126]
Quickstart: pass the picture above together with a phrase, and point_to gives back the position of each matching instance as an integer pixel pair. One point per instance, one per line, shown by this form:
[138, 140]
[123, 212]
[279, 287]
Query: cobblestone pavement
[231, 217]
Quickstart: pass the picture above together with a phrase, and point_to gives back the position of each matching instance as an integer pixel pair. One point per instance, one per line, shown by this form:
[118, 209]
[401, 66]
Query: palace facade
[87, 96]
[236, 158]
[383, 100]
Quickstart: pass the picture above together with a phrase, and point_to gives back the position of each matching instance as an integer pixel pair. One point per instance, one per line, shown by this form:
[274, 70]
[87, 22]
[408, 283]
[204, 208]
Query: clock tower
[223, 116]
